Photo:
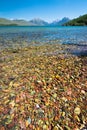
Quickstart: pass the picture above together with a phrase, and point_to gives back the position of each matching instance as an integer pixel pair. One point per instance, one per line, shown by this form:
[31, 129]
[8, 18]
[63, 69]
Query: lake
[44, 85]
[11, 37]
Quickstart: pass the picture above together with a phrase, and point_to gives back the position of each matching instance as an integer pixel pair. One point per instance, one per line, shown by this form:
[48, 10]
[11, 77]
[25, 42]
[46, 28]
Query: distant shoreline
[42, 26]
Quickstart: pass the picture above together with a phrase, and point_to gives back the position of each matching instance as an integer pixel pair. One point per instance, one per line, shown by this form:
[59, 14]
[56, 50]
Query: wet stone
[41, 91]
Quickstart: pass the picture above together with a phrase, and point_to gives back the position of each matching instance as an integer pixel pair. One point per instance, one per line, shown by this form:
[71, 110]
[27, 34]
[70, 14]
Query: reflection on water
[11, 37]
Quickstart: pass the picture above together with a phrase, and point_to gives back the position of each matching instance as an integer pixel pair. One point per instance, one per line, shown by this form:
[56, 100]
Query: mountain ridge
[60, 22]
[33, 22]
[79, 21]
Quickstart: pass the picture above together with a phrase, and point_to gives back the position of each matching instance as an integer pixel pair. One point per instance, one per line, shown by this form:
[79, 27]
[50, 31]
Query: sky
[48, 10]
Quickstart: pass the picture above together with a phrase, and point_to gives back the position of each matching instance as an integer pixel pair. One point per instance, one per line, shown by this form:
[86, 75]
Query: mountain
[63, 21]
[60, 22]
[38, 22]
[6, 22]
[21, 22]
[54, 23]
[80, 21]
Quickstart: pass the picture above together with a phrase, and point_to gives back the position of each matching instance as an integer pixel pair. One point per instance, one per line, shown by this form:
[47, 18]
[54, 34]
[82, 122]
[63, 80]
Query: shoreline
[42, 88]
